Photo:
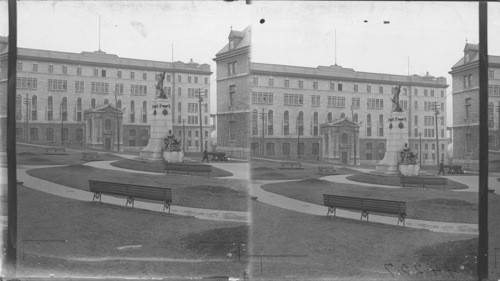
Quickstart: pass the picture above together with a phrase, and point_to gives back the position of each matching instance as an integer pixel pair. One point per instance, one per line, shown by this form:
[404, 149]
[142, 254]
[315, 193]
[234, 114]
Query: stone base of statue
[409, 170]
[397, 137]
[160, 126]
[173, 156]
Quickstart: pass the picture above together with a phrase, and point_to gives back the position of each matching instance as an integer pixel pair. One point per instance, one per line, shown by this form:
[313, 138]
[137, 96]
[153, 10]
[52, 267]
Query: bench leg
[331, 210]
[97, 195]
[130, 200]
[166, 205]
[401, 219]
[364, 214]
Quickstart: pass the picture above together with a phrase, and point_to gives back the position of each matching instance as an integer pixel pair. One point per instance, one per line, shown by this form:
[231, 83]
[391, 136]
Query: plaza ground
[106, 237]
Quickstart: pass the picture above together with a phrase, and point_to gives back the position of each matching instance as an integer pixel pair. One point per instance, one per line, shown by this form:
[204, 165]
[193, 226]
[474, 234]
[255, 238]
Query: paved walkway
[241, 171]
[319, 210]
[82, 195]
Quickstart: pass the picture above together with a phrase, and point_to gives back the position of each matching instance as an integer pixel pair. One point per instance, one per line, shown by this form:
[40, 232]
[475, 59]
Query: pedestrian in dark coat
[205, 156]
[441, 168]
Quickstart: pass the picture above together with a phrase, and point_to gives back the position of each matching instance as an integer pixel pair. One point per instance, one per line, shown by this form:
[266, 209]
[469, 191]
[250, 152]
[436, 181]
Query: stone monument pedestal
[397, 137]
[409, 170]
[160, 126]
[173, 156]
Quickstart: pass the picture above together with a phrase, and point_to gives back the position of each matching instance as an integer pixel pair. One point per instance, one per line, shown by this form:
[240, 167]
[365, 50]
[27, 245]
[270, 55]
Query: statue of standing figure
[159, 86]
[395, 99]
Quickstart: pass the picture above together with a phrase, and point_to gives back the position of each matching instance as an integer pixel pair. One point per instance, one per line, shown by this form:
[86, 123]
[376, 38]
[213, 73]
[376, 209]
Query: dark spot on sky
[365, 21]
[262, 20]
[386, 22]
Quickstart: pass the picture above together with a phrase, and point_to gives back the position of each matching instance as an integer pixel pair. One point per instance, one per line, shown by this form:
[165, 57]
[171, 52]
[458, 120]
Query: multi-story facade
[287, 111]
[465, 76]
[294, 103]
[233, 94]
[3, 99]
[61, 95]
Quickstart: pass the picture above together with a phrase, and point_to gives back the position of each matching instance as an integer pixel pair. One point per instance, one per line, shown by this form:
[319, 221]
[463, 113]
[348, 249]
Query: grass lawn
[31, 155]
[189, 191]
[428, 204]
[93, 231]
[269, 170]
[343, 249]
[395, 181]
[159, 168]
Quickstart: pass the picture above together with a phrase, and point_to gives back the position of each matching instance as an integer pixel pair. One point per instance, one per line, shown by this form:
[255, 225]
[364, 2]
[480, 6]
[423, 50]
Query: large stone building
[328, 112]
[100, 100]
[233, 94]
[465, 76]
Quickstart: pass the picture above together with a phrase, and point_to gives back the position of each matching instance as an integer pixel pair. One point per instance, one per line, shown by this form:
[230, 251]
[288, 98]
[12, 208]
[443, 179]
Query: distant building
[69, 98]
[4, 55]
[465, 76]
[322, 112]
[295, 112]
[233, 94]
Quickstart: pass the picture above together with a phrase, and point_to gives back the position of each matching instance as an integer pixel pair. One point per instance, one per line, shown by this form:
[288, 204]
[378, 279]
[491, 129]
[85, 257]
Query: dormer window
[467, 57]
[231, 44]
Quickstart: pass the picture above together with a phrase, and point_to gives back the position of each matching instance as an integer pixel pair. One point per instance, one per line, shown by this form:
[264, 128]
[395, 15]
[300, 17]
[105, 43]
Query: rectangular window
[78, 71]
[189, 79]
[285, 149]
[51, 69]
[64, 70]
[381, 90]
[301, 84]
[332, 86]
[96, 72]
[368, 89]
[315, 85]
[271, 82]
[287, 83]
[35, 67]
[144, 76]
[425, 93]
[119, 74]
[415, 92]
[232, 91]
[179, 78]
[19, 66]
[196, 80]
[339, 86]
[355, 88]
[132, 75]
[255, 81]
[432, 93]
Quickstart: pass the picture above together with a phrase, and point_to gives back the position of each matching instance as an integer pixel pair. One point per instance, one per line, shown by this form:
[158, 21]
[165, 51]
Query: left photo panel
[120, 172]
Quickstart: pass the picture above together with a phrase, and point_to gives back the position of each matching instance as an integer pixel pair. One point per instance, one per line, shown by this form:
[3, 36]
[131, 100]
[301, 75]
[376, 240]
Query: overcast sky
[432, 35]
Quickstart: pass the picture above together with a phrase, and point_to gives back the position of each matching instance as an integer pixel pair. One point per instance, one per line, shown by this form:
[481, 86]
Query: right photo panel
[363, 139]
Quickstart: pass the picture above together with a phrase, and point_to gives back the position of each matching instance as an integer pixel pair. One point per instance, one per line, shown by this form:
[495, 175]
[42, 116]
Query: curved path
[240, 171]
[82, 195]
[319, 210]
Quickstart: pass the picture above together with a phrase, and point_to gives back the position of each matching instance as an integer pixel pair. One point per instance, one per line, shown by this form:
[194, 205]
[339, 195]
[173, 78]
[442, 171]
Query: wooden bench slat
[131, 191]
[365, 205]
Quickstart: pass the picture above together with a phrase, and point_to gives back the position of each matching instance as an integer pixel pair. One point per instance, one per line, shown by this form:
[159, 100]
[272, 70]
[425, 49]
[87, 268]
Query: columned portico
[103, 126]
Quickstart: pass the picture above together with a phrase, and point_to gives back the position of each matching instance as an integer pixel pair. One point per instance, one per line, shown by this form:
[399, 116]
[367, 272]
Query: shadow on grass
[145, 166]
[395, 181]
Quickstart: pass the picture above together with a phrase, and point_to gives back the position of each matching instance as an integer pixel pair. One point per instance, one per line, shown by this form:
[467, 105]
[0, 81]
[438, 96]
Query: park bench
[218, 156]
[131, 192]
[291, 165]
[55, 150]
[365, 205]
[454, 169]
[90, 155]
[181, 167]
[423, 181]
[326, 170]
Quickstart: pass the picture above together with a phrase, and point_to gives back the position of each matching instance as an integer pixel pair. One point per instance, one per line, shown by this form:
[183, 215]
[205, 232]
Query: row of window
[192, 120]
[285, 149]
[494, 90]
[262, 98]
[104, 73]
[339, 87]
[49, 134]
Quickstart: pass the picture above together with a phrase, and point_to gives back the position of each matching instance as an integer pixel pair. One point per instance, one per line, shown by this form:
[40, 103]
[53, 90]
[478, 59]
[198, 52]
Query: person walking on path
[441, 168]
[205, 156]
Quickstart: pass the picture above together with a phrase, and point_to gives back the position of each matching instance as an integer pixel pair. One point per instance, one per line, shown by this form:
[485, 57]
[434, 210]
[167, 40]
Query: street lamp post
[420, 149]
[298, 138]
[353, 134]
